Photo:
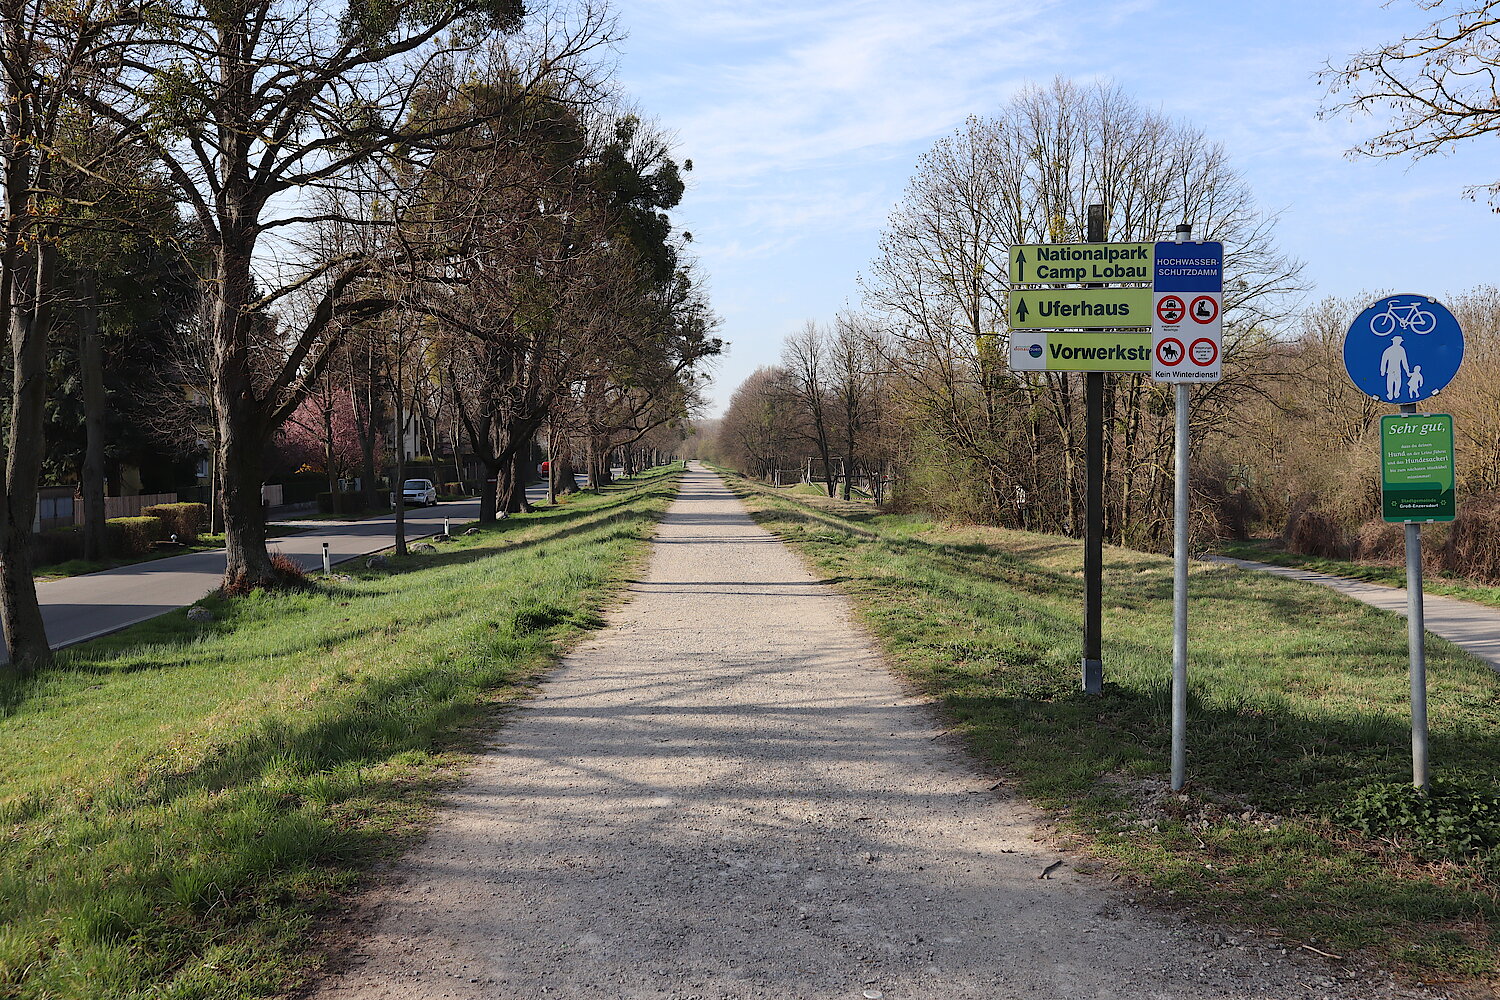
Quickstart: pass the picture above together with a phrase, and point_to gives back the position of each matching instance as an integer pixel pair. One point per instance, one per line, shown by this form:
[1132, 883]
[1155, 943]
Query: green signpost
[1416, 467]
[1079, 308]
[1080, 263]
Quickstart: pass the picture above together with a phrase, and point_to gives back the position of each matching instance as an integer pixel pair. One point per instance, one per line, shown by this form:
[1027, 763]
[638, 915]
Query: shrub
[291, 572]
[133, 536]
[57, 546]
[1450, 819]
[185, 520]
[1472, 549]
[346, 502]
[1313, 533]
[1378, 541]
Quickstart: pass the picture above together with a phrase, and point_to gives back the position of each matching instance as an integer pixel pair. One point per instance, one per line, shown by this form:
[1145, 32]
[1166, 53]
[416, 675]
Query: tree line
[1283, 445]
[268, 209]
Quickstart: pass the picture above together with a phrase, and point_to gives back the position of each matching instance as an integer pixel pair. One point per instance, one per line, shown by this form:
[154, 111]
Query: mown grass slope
[178, 803]
[1298, 705]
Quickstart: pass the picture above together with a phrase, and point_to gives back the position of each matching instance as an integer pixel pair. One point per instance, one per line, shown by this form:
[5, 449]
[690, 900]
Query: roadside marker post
[1404, 349]
[327, 564]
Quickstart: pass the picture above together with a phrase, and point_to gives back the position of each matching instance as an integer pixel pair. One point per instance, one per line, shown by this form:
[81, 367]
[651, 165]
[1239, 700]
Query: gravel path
[725, 795]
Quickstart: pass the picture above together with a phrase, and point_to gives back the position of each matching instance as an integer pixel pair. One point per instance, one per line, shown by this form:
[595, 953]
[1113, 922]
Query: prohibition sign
[1169, 352]
[1204, 352]
[1170, 309]
[1205, 309]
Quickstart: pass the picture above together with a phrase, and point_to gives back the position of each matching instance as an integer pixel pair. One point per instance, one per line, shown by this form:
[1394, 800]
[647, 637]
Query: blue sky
[804, 121]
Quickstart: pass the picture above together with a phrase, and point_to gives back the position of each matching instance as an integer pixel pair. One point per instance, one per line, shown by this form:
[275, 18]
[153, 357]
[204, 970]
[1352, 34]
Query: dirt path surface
[725, 795]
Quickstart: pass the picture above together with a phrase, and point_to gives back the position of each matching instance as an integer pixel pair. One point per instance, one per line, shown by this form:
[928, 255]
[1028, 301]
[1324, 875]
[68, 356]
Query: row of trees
[1283, 443]
[971, 439]
[374, 207]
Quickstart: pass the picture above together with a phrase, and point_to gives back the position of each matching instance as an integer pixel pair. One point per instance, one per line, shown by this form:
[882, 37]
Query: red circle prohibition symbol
[1204, 309]
[1169, 352]
[1170, 309]
[1204, 352]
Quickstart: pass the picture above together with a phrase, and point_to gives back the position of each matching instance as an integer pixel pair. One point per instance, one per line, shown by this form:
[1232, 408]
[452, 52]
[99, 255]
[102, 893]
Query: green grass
[179, 803]
[205, 543]
[1270, 550]
[1298, 699]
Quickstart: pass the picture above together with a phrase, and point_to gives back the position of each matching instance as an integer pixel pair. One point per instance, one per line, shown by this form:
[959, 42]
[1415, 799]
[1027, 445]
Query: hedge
[347, 502]
[185, 520]
[133, 536]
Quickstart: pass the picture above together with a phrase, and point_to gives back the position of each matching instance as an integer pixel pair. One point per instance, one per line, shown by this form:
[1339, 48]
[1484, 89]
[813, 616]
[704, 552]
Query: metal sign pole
[1416, 646]
[1093, 535]
[1180, 580]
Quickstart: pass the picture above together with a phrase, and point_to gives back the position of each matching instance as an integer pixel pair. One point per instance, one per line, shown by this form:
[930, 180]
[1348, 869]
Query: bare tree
[941, 281]
[807, 371]
[1439, 84]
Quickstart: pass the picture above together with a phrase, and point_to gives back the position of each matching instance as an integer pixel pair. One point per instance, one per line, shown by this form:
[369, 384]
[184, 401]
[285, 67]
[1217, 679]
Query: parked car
[418, 492]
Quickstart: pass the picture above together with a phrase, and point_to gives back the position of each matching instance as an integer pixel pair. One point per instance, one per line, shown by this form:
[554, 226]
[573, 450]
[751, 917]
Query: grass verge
[1298, 705]
[1270, 550]
[179, 802]
[205, 543]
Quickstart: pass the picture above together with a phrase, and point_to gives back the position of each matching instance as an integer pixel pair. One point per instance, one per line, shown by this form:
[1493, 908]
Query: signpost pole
[1416, 646]
[1093, 539]
[1180, 579]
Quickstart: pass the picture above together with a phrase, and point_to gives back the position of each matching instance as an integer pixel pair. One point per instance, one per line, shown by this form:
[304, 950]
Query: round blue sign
[1403, 348]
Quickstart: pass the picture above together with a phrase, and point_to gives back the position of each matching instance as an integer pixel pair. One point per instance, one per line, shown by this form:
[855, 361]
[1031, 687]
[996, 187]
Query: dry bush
[1380, 542]
[1472, 548]
[1314, 533]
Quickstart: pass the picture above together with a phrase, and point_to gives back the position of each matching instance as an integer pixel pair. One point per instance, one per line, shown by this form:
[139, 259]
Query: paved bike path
[1472, 627]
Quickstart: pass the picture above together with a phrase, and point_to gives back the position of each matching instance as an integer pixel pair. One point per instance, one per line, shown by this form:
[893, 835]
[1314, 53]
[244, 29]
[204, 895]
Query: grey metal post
[1180, 580]
[1416, 646]
[327, 564]
[1093, 532]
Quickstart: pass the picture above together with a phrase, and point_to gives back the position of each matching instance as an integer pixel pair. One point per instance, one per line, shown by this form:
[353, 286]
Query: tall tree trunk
[242, 434]
[366, 426]
[520, 463]
[565, 475]
[95, 402]
[30, 323]
[489, 491]
[335, 495]
[398, 475]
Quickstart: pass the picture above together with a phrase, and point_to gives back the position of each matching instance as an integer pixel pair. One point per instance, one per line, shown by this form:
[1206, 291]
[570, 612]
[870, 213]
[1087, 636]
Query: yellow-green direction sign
[1079, 308]
[1065, 351]
[1081, 263]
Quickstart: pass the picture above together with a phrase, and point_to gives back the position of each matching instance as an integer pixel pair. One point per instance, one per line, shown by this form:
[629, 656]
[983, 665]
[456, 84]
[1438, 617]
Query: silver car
[417, 492]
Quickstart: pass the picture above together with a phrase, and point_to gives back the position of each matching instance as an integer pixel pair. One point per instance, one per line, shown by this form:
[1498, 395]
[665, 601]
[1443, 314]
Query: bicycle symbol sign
[1403, 349]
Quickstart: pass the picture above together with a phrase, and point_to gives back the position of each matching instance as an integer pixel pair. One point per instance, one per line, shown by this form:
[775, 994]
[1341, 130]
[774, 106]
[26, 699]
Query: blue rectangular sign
[1189, 267]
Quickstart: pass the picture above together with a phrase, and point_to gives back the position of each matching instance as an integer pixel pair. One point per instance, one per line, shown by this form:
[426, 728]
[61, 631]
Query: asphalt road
[84, 607]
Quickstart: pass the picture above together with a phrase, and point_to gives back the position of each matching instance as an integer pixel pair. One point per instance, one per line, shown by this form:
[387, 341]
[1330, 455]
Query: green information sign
[1416, 467]
[1081, 263]
[1079, 308]
[1063, 351]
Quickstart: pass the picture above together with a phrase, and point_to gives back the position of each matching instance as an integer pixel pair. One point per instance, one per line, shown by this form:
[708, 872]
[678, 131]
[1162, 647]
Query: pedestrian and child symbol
[1393, 364]
[1403, 349]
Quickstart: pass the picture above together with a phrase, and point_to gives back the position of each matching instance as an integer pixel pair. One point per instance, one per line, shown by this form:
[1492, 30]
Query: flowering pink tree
[321, 436]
